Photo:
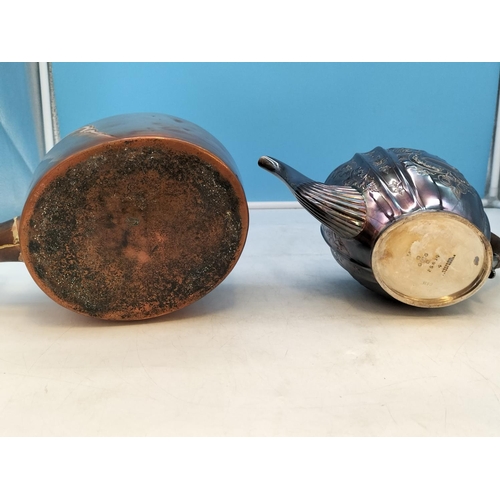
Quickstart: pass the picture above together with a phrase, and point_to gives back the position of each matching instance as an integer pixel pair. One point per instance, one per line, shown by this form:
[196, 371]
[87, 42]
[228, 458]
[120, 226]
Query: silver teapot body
[402, 222]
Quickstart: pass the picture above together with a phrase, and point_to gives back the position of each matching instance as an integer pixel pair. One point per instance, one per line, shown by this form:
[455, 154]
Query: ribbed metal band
[340, 208]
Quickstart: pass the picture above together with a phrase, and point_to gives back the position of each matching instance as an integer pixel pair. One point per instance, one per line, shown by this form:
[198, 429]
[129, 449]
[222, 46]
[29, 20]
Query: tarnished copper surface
[133, 227]
[135, 125]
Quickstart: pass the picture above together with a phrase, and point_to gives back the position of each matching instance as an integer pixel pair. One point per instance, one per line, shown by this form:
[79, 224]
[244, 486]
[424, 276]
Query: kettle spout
[340, 208]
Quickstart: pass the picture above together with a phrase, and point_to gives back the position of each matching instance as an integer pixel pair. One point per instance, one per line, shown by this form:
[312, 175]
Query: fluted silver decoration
[340, 208]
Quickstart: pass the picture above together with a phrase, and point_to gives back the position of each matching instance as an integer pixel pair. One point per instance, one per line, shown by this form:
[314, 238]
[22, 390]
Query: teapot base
[431, 259]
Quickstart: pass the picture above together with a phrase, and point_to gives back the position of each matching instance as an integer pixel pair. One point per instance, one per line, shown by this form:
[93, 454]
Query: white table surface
[288, 345]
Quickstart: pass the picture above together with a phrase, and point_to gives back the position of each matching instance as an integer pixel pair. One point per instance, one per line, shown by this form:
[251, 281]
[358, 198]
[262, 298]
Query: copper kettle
[402, 222]
[131, 217]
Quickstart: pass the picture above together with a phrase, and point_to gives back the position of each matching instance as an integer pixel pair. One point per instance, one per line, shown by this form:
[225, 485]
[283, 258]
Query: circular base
[431, 259]
[134, 228]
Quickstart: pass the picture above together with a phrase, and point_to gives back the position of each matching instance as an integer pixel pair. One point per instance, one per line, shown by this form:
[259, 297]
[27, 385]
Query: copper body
[133, 217]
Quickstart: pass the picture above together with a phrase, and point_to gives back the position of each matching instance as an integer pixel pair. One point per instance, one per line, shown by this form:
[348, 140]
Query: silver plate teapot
[402, 222]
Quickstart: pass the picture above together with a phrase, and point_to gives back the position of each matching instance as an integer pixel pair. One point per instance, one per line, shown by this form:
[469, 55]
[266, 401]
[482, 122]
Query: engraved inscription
[427, 261]
[448, 264]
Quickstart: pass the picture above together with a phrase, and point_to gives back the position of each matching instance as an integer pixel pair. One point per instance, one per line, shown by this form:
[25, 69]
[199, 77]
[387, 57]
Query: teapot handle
[10, 250]
[495, 245]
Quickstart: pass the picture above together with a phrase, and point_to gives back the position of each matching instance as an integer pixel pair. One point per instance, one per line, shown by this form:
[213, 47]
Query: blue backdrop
[313, 116]
[21, 145]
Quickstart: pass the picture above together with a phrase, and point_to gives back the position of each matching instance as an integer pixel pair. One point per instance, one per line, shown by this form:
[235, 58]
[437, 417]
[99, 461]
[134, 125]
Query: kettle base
[134, 228]
[431, 259]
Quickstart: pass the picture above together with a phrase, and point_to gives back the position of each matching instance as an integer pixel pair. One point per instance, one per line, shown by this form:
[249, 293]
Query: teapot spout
[340, 208]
